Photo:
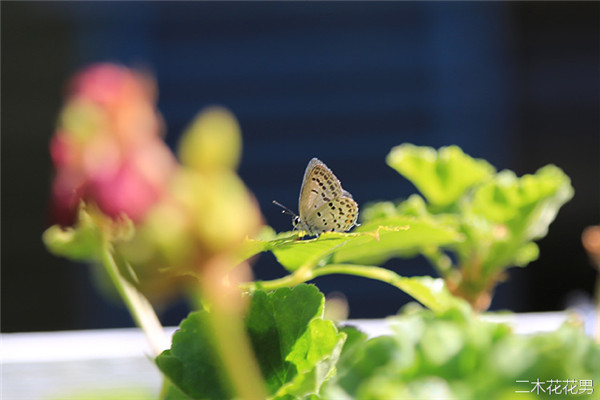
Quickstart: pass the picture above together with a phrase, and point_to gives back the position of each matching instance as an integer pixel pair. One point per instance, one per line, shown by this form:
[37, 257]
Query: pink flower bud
[125, 192]
[107, 149]
[101, 83]
[59, 150]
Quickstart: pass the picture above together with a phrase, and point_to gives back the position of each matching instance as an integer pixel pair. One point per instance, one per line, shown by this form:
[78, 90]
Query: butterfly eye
[296, 220]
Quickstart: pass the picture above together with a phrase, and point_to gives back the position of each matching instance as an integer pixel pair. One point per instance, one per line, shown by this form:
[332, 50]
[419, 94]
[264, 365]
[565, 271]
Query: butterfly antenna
[285, 209]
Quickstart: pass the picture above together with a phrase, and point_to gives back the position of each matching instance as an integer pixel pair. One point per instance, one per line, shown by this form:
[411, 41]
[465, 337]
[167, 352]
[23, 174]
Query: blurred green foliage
[456, 355]
[442, 176]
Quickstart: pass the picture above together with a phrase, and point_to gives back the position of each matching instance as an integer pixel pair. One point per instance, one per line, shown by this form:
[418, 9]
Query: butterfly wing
[323, 204]
[319, 186]
[338, 215]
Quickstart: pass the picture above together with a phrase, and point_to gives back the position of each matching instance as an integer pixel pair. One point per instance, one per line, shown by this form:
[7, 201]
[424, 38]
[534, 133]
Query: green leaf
[442, 176]
[171, 392]
[192, 364]
[396, 236]
[83, 242]
[525, 254]
[371, 243]
[368, 358]
[296, 349]
[354, 340]
[335, 252]
[312, 252]
[266, 240]
[353, 346]
[293, 253]
[527, 205]
[276, 321]
[431, 292]
[315, 356]
[515, 212]
[413, 206]
[380, 209]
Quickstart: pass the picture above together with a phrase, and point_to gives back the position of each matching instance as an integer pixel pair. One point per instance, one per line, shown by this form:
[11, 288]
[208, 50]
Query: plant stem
[439, 260]
[408, 285]
[303, 275]
[140, 309]
[229, 334]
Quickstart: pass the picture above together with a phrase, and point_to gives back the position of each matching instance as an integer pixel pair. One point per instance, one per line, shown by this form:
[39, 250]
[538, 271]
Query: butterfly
[323, 206]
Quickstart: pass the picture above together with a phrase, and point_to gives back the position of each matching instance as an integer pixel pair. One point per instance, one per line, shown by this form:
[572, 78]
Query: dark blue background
[514, 83]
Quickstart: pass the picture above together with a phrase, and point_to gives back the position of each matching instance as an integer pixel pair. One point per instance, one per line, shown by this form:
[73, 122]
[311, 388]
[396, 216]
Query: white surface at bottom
[57, 365]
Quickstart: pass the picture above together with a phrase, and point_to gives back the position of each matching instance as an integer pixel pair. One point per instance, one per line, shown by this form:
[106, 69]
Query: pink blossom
[125, 192]
[107, 148]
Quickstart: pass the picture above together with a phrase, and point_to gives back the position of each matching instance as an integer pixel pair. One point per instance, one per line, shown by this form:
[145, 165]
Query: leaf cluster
[497, 214]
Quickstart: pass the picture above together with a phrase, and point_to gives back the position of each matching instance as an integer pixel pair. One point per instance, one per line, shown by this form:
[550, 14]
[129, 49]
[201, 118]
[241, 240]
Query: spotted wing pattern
[338, 215]
[323, 204]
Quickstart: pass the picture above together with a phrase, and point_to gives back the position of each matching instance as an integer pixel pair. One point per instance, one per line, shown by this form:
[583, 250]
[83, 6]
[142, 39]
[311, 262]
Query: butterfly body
[323, 205]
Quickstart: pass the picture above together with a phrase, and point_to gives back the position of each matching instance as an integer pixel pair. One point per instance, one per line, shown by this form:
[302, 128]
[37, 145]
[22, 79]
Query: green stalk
[236, 354]
[406, 284]
[140, 309]
[229, 333]
[439, 260]
[302, 275]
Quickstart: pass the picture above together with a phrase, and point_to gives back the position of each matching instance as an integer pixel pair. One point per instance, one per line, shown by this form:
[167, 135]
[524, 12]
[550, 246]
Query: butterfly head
[296, 221]
[295, 218]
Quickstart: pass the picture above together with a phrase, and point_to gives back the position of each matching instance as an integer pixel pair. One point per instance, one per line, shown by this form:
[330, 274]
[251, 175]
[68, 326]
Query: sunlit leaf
[266, 240]
[525, 254]
[442, 176]
[373, 242]
[527, 205]
[517, 211]
[396, 236]
[431, 292]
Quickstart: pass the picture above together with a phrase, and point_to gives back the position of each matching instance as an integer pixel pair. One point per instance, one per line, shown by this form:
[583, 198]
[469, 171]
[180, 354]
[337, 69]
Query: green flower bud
[212, 142]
